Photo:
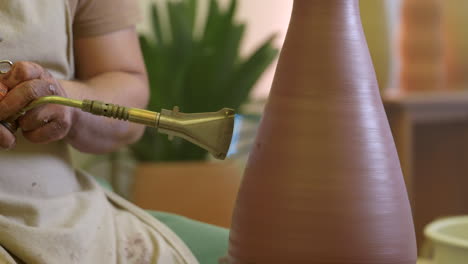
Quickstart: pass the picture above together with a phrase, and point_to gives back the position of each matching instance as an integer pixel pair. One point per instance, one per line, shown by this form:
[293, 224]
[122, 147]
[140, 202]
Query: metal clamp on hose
[210, 131]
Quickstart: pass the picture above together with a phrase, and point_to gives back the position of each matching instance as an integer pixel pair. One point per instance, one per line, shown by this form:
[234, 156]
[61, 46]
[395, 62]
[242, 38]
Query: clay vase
[323, 182]
[421, 49]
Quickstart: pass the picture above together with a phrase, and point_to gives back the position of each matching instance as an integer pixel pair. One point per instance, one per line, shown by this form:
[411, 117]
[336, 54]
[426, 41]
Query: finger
[3, 90]
[23, 95]
[54, 130]
[36, 118]
[23, 71]
[7, 139]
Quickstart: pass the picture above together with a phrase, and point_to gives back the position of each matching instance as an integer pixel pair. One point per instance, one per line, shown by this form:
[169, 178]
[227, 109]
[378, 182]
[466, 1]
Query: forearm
[95, 134]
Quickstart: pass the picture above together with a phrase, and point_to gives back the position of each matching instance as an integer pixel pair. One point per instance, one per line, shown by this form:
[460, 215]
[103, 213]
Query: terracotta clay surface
[323, 183]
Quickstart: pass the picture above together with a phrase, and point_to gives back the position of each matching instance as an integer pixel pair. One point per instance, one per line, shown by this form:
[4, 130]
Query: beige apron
[49, 213]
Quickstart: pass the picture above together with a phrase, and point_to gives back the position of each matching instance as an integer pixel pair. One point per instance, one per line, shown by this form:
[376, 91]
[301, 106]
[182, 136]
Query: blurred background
[203, 55]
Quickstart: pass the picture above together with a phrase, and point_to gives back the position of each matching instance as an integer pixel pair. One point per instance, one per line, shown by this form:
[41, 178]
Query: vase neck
[325, 3]
[326, 8]
[326, 21]
[325, 43]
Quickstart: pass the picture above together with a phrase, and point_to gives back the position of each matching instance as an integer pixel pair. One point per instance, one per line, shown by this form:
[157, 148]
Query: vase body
[323, 182]
[421, 49]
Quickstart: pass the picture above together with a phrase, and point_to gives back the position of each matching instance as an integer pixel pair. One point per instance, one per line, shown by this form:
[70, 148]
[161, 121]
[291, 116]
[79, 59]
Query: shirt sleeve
[98, 17]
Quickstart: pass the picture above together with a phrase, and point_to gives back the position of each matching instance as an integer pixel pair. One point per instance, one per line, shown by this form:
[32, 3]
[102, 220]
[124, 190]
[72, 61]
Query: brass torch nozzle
[210, 131]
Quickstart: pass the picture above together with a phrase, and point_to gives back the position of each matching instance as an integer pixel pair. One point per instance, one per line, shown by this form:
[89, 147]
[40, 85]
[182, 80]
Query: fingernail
[12, 146]
[3, 91]
[9, 148]
[52, 89]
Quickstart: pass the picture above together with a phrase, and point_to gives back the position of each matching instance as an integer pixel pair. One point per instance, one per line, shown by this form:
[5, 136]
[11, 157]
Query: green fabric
[104, 184]
[207, 242]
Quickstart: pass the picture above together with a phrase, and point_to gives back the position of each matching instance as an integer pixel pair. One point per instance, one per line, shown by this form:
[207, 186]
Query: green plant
[198, 74]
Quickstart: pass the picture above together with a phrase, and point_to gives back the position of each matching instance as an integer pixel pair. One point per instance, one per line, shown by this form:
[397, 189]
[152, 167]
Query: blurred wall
[456, 43]
[376, 27]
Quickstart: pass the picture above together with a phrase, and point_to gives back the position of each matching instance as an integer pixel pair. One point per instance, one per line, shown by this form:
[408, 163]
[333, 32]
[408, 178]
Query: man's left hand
[27, 82]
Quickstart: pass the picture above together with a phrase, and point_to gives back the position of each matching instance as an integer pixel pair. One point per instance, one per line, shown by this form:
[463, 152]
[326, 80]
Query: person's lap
[207, 242]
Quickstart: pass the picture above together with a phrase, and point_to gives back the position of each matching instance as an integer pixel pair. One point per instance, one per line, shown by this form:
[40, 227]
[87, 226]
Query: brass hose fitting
[210, 131]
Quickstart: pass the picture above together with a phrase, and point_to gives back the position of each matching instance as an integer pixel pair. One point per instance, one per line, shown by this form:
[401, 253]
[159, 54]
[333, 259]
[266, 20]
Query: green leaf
[249, 72]
[156, 23]
[199, 74]
[192, 13]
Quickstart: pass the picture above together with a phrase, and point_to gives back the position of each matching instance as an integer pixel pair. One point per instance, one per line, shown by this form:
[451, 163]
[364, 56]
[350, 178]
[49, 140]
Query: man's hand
[26, 82]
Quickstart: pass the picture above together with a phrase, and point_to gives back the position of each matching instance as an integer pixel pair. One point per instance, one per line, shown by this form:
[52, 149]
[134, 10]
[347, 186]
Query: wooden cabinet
[203, 191]
[431, 136]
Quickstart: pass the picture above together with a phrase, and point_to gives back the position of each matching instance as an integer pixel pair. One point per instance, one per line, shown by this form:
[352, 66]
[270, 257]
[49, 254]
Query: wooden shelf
[430, 130]
[430, 106]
